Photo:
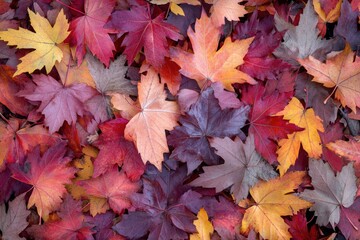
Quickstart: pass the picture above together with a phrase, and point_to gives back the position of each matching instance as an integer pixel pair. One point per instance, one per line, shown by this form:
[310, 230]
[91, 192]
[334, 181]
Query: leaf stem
[333, 91]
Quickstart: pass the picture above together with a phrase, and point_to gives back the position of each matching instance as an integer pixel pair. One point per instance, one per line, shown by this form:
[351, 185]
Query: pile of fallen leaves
[179, 119]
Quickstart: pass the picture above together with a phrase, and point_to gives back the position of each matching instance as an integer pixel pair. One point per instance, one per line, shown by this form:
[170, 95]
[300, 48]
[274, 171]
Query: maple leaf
[44, 40]
[111, 79]
[114, 186]
[350, 149]
[208, 64]
[174, 5]
[112, 139]
[203, 226]
[204, 119]
[165, 208]
[47, 175]
[309, 137]
[299, 229]
[259, 62]
[242, 169]
[72, 225]
[153, 115]
[302, 40]
[266, 128]
[88, 30]
[273, 200]
[327, 198]
[145, 31]
[58, 103]
[13, 221]
[229, 9]
[10, 86]
[340, 72]
[349, 223]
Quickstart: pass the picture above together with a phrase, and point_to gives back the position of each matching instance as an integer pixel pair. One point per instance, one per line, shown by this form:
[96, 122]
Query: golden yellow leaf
[150, 116]
[203, 226]
[207, 63]
[174, 5]
[340, 72]
[309, 137]
[273, 200]
[44, 40]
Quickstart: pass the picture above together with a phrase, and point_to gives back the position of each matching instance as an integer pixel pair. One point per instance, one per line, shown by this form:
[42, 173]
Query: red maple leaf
[267, 129]
[112, 140]
[47, 175]
[114, 186]
[72, 224]
[145, 31]
[17, 139]
[88, 31]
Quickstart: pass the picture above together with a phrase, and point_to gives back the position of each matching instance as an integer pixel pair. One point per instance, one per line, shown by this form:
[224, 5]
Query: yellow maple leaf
[203, 226]
[44, 40]
[340, 72]
[209, 64]
[309, 137]
[273, 200]
[149, 117]
[174, 5]
[229, 9]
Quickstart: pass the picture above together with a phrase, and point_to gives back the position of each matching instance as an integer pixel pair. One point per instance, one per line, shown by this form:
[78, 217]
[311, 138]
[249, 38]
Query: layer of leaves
[172, 119]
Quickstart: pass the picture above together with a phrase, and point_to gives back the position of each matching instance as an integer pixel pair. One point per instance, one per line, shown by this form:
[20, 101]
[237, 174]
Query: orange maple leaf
[340, 72]
[208, 64]
[149, 117]
[229, 9]
[273, 200]
[309, 137]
